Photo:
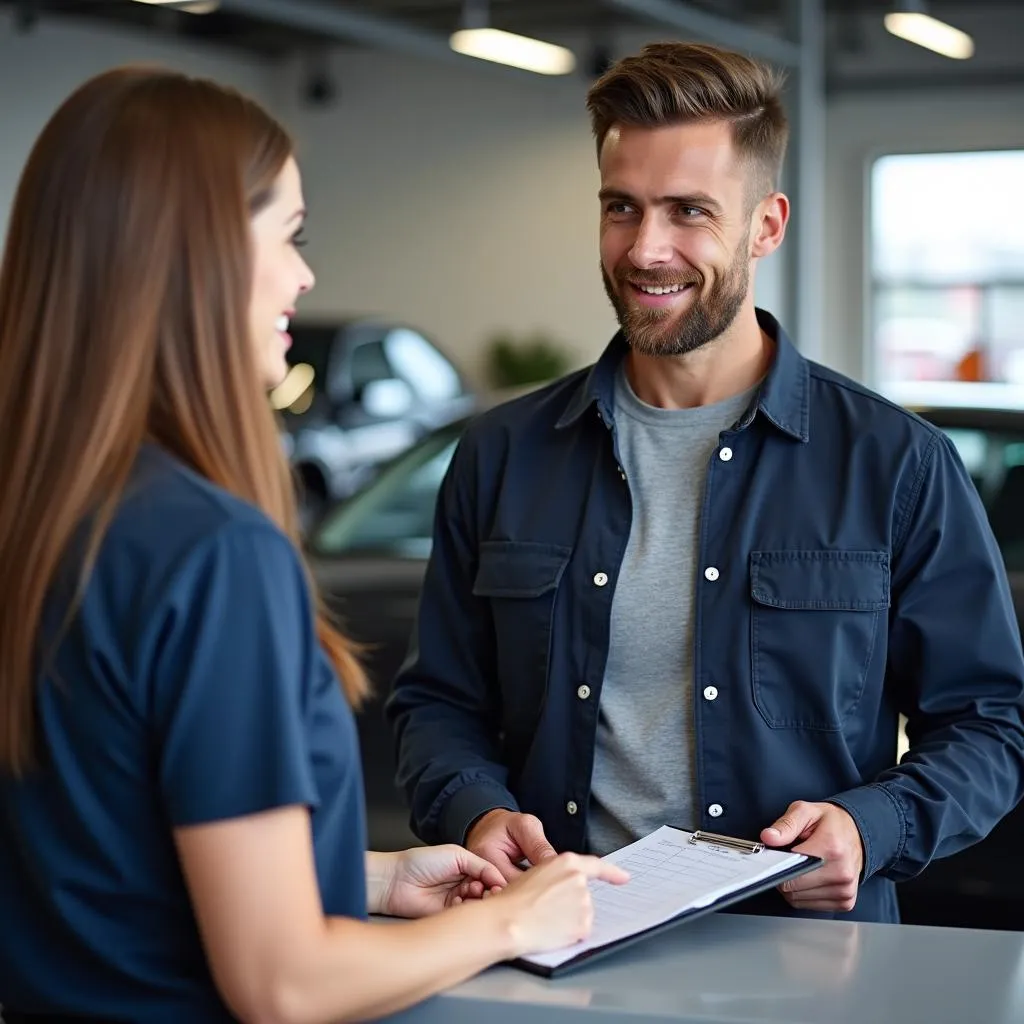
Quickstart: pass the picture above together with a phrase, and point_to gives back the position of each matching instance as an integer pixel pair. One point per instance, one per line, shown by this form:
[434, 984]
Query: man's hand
[506, 837]
[826, 831]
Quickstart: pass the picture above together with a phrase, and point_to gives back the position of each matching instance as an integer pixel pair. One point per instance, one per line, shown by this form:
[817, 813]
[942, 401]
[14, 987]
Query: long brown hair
[676, 83]
[124, 297]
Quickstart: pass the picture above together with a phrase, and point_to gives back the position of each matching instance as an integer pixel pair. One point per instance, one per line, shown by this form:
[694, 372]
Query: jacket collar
[783, 398]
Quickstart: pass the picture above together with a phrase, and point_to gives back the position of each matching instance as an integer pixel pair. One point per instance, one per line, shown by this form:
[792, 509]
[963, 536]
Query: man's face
[675, 234]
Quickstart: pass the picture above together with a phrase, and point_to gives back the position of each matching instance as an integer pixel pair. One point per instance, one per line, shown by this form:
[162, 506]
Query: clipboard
[803, 864]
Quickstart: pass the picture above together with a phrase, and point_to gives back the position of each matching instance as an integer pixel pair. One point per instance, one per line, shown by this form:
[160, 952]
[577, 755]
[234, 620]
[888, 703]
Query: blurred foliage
[512, 362]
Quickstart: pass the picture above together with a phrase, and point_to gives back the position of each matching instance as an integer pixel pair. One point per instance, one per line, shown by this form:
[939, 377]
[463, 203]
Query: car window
[995, 461]
[369, 363]
[312, 345]
[419, 363]
[395, 513]
[309, 364]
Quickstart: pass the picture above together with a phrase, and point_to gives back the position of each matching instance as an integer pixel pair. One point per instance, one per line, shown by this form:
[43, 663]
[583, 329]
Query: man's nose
[653, 243]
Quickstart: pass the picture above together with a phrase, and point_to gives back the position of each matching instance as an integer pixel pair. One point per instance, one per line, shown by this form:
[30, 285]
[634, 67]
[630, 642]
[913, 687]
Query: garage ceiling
[265, 36]
[559, 15]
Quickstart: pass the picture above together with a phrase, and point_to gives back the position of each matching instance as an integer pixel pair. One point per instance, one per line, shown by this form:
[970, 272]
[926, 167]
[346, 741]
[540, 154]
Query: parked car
[369, 555]
[359, 392]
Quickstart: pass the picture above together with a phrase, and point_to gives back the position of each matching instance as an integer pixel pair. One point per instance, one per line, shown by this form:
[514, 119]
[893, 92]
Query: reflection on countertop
[736, 969]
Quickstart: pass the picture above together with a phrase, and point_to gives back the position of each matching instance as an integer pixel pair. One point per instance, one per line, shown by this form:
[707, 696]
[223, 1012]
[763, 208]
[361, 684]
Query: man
[697, 583]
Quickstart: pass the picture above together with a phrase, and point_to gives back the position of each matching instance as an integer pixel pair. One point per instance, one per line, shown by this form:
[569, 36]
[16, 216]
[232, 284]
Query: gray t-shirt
[644, 774]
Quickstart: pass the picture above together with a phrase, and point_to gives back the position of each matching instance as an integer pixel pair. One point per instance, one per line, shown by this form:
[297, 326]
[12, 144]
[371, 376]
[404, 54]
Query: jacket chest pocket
[816, 617]
[520, 581]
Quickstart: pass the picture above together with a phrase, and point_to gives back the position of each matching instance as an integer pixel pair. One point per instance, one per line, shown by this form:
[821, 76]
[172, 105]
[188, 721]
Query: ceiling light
[516, 51]
[476, 38]
[188, 6]
[915, 26]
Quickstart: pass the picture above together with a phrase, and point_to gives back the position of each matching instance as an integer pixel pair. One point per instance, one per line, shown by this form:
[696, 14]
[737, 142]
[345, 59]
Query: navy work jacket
[847, 574]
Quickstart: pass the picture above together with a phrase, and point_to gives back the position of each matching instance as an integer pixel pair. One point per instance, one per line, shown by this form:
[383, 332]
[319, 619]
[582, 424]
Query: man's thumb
[788, 828]
[529, 834]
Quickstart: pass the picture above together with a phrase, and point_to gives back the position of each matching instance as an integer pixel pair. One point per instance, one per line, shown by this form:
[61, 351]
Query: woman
[181, 825]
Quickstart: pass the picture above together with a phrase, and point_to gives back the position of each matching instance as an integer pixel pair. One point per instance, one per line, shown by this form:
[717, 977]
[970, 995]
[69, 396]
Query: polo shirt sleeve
[234, 670]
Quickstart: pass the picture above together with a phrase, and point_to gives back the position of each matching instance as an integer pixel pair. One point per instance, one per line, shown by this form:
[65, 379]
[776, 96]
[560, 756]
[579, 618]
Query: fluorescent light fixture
[188, 6]
[930, 33]
[517, 51]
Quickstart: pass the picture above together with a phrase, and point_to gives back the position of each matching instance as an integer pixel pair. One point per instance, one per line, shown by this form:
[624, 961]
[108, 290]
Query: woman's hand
[426, 880]
[551, 905]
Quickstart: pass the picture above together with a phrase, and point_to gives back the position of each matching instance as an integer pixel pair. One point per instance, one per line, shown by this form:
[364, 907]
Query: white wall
[465, 201]
[40, 68]
[462, 200]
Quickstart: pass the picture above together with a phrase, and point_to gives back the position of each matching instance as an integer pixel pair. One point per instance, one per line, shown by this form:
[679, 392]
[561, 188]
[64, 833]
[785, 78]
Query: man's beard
[662, 332]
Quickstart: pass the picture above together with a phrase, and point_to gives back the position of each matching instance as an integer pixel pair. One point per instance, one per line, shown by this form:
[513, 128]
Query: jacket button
[600, 579]
[711, 573]
[571, 807]
[715, 810]
[583, 692]
[710, 692]
[725, 454]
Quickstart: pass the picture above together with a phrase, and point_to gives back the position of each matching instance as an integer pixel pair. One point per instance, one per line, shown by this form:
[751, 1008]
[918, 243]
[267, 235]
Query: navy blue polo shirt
[190, 688]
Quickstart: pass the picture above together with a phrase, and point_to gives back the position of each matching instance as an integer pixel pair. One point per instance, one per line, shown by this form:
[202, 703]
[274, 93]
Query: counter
[736, 969]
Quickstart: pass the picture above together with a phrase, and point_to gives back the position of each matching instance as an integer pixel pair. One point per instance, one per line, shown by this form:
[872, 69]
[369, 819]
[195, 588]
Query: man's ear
[768, 224]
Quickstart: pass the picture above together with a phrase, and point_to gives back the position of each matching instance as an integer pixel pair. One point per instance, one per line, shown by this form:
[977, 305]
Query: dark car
[359, 392]
[986, 424]
[369, 555]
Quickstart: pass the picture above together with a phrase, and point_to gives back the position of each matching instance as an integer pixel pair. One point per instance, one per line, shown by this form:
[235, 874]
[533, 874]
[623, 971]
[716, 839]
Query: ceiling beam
[714, 29]
[341, 23]
[893, 82]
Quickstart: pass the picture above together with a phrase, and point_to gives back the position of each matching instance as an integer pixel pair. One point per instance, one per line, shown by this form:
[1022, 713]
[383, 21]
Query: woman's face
[280, 274]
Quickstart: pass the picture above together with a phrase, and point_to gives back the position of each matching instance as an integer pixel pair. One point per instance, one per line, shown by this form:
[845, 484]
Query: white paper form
[668, 876]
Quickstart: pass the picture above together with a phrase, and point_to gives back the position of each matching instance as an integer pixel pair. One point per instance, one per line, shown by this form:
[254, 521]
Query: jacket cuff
[467, 804]
[881, 823]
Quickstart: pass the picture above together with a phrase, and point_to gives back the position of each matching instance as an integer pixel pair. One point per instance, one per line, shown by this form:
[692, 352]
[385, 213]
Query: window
[947, 271]
[394, 515]
[309, 360]
[421, 365]
[369, 363]
[312, 345]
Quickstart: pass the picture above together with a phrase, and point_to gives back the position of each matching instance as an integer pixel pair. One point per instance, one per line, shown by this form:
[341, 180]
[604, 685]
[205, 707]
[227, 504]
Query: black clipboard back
[808, 864]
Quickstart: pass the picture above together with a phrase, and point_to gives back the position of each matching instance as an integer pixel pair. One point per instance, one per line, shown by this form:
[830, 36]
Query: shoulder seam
[903, 527]
[203, 547]
[863, 392]
[212, 494]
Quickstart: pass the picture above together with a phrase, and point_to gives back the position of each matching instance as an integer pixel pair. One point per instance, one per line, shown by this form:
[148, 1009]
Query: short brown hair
[124, 298]
[680, 83]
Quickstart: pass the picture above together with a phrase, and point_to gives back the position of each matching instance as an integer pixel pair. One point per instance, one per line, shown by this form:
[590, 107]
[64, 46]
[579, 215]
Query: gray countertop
[735, 969]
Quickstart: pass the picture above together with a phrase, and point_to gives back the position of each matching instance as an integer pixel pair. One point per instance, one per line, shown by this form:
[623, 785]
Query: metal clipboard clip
[730, 842]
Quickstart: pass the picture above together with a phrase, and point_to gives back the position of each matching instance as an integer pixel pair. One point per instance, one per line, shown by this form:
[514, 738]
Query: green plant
[512, 362]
